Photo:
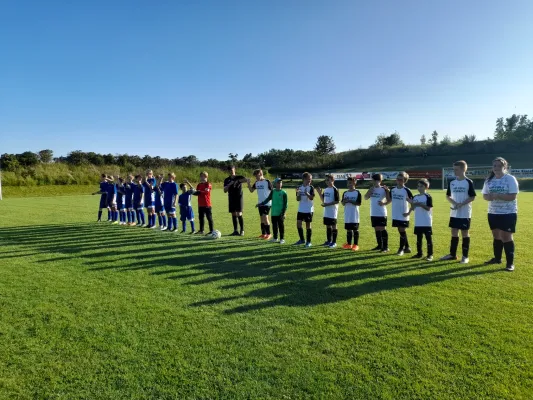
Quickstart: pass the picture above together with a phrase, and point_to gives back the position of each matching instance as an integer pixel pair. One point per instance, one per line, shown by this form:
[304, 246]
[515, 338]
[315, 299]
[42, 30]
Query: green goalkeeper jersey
[279, 202]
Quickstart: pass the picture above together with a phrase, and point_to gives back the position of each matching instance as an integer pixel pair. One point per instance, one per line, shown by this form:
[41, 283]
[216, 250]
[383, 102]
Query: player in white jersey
[351, 200]
[400, 194]
[379, 196]
[305, 195]
[330, 202]
[500, 190]
[263, 187]
[460, 194]
[422, 205]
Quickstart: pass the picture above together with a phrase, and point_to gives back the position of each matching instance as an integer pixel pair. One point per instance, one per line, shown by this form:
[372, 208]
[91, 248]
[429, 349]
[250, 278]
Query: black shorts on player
[235, 204]
[330, 221]
[423, 230]
[462, 224]
[396, 223]
[503, 222]
[351, 227]
[378, 221]
[305, 217]
[263, 210]
[103, 201]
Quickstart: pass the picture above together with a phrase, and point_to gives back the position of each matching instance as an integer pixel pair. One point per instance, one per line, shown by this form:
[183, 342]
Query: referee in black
[233, 187]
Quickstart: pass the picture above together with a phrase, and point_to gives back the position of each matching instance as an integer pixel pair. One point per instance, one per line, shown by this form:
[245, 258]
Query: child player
[279, 200]
[170, 197]
[330, 202]
[400, 194]
[203, 191]
[149, 198]
[264, 188]
[121, 200]
[460, 194]
[103, 198]
[351, 200]
[138, 200]
[379, 197]
[305, 195]
[158, 204]
[112, 199]
[128, 190]
[422, 204]
[233, 187]
[186, 211]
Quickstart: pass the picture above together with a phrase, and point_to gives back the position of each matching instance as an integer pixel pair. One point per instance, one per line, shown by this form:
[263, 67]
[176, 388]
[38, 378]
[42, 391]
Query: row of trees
[323, 156]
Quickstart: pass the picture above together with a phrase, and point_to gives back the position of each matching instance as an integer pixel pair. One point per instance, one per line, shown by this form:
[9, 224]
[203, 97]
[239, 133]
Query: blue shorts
[169, 209]
[149, 204]
[159, 208]
[186, 213]
[111, 203]
[129, 203]
[103, 201]
[121, 206]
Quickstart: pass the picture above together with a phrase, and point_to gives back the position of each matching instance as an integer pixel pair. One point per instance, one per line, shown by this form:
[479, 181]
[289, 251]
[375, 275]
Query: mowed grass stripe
[99, 311]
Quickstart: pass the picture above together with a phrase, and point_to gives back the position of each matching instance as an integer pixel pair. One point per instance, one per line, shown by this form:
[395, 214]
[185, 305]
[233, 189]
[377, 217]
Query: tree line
[322, 156]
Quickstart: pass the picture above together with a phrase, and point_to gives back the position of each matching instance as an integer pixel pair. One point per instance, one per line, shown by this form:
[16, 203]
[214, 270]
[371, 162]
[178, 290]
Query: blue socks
[175, 221]
[159, 219]
[184, 226]
[192, 226]
[164, 219]
[170, 223]
[141, 213]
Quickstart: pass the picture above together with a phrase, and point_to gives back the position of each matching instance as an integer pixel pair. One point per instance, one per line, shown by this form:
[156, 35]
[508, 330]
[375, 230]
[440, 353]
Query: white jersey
[305, 204]
[351, 211]
[400, 206]
[459, 191]
[263, 189]
[423, 218]
[378, 194]
[507, 184]
[331, 194]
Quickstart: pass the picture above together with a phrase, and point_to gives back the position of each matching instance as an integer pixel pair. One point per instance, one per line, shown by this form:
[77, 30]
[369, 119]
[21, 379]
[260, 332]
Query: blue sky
[179, 77]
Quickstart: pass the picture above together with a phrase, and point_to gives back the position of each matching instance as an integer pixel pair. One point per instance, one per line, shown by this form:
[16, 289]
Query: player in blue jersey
[138, 200]
[186, 211]
[112, 199]
[121, 200]
[103, 197]
[149, 198]
[128, 191]
[159, 208]
[170, 197]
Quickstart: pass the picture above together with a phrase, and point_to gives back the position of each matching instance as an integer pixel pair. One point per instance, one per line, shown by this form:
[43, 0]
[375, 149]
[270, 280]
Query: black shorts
[503, 222]
[306, 217]
[423, 229]
[459, 223]
[330, 221]
[263, 210]
[378, 221]
[103, 201]
[351, 227]
[235, 204]
[396, 223]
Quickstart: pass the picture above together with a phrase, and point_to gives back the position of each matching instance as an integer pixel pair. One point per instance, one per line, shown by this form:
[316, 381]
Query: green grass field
[95, 311]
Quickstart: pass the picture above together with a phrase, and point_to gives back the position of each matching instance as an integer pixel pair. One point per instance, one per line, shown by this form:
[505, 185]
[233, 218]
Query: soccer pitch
[99, 311]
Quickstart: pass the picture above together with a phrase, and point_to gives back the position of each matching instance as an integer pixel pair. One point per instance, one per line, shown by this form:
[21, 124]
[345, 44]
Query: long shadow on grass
[258, 274]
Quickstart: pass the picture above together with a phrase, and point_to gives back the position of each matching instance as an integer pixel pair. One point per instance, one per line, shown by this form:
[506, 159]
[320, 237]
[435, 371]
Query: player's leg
[328, 232]
[190, 217]
[404, 243]
[241, 220]
[355, 231]
[377, 231]
[275, 228]
[454, 241]
[385, 237]
[465, 233]
[309, 230]
[234, 220]
[262, 220]
[334, 234]
[209, 216]
[201, 217]
[419, 239]
[429, 240]
[299, 227]
[281, 226]
[509, 248]
[164, 220]
[349, 237]
[267, 222]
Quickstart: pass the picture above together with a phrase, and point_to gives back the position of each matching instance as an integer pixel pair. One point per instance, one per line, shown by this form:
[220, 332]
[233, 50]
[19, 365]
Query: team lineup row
[126, 200]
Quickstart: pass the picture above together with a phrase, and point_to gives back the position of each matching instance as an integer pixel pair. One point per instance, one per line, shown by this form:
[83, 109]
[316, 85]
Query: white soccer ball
[215, 235]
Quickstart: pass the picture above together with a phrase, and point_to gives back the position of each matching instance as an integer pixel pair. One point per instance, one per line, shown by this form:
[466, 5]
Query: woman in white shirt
[500, 190]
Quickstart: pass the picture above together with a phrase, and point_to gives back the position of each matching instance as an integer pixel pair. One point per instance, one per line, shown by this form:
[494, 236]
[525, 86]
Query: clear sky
[208, 77]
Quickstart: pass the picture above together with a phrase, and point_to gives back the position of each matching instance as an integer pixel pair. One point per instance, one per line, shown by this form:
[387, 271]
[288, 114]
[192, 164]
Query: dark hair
[104, 176]
[230, 167]
[505, 165]
[306, 175]
[424, 182]
[377, 177]
[330, 176]
[182, 185]
[137, 177]
[256, 171]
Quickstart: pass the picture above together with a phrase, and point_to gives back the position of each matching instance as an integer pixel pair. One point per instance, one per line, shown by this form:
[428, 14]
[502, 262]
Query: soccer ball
[214, 235]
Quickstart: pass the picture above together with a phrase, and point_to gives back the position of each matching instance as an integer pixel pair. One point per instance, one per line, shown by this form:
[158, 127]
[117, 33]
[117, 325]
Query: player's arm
[311, 193]
[263, 203]
[320, 194]
[388, 198]
[429, 204]
[369, 192]
[449, 195]
[298, 194]
[227, 184]
[284, 206]
[251, 188]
